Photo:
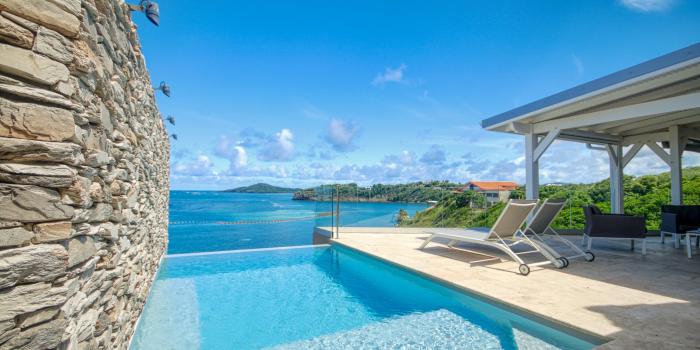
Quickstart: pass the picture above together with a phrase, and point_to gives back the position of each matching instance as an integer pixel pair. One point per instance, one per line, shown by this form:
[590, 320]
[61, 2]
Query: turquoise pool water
[326, 297]
[198, 219]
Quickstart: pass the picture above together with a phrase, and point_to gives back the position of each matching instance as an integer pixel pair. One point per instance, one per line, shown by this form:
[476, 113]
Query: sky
[299, 93]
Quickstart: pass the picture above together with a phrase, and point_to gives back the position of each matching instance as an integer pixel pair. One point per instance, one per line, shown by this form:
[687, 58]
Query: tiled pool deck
[639, 302]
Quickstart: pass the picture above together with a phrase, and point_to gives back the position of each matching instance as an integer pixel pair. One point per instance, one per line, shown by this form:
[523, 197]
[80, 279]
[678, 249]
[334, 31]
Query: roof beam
[678, 117]
[690, 132]
[690, 117]
[662, 106]
[520, 128]
[613, 154]
[545, 143]
[589, 137]
[659, 152]
[631, 153]
[644, 138]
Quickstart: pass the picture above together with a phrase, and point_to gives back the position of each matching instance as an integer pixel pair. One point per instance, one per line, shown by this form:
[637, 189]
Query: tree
[402, 217]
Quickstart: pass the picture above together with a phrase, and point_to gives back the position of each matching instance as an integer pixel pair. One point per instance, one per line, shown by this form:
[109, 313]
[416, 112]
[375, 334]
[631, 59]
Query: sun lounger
[540, 228]
[504, 234]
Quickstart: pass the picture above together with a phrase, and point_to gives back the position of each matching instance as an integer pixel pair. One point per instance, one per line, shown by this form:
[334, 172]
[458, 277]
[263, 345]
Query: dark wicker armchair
[676, 220]
[613, 226]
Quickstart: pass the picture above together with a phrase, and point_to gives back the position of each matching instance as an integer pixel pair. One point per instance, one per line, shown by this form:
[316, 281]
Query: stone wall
[83, 175]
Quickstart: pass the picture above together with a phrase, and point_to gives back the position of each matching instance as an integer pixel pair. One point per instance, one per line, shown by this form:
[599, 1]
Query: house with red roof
[494, 191]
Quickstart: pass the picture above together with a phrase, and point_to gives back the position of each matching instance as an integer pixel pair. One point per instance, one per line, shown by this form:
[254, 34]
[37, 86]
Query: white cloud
[200, 166]
[390, 75]
[577, 63]
[279, 148]
[647, 5]
[405, 158]
[433, 156]
[341, 135]
[232, 151]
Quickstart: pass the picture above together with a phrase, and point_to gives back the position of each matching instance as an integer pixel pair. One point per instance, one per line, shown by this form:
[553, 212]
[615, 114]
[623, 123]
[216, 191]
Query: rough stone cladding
[83, 175]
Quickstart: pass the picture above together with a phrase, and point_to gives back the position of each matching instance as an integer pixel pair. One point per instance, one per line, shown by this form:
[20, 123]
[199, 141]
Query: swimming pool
[326, 297]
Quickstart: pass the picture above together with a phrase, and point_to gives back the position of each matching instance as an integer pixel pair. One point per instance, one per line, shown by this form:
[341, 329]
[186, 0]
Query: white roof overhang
[637, 104]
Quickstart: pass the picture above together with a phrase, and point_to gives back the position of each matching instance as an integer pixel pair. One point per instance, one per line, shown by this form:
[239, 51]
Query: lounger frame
[549, 232]
[504, 243]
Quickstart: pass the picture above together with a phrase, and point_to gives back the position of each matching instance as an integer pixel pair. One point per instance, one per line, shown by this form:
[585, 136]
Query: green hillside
[416, 192]
[262, 188]
[644, 196]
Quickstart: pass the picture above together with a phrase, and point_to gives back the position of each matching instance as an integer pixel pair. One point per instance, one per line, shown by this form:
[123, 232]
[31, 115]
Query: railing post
[337, 220]
[332, 213]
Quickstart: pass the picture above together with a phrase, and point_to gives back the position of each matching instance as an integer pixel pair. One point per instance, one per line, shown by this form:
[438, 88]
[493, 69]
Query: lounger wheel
[524, 269]
[589, 256]
[564, 261]
[559, 263]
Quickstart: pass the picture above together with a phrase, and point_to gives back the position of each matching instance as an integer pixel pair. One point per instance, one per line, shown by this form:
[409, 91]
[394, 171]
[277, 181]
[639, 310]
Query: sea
[206, 221]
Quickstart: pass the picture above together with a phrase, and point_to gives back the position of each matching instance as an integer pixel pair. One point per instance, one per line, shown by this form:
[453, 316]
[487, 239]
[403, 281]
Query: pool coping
[593, 338]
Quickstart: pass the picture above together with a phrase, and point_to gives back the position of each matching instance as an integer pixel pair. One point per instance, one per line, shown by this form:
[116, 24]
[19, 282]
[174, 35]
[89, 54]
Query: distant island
[262, 188]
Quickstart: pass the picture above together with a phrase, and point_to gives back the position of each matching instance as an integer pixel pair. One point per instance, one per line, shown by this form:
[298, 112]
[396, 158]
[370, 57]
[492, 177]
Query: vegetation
[416, 192]
[644, 196]
[262, 188]
[402, 216]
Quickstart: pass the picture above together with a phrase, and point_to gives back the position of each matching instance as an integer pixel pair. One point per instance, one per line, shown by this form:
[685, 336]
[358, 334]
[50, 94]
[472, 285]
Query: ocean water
[326, 297]
[204, 221]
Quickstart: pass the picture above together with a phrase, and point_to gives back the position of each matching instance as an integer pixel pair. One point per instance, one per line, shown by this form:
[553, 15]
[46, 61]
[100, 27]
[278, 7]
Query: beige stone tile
[622, 295]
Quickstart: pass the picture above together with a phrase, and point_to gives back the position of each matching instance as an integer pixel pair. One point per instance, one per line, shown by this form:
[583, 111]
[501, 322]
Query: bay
[205, 221]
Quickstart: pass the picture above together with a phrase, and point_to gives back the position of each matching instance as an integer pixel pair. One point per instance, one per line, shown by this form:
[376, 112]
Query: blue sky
[308, 92]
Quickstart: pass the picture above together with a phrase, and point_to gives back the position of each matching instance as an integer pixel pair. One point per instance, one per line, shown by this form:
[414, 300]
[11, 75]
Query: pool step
[440, 329]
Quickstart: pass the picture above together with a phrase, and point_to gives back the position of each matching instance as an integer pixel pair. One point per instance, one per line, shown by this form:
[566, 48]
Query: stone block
[35, 122]
[20, 89]
[45, 175]
[53, 231]
[44, 336]
[33, 27]
[97, 194]
[14, 34]
[53, 45]
[95, 139]
[31, 150]
[26, 64]
[80, 249]
[86, 324]
[101, 212]
[15, 236]
[27, 203]
[9, 334]
[37, 317]
[72, 6]
[35, 263]
[78, 194]
[96, 158]
[47, 13]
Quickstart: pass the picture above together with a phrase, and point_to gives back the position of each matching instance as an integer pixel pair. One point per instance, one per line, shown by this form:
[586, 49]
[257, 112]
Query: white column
[617, 193]
[532, 169]
[676, 165]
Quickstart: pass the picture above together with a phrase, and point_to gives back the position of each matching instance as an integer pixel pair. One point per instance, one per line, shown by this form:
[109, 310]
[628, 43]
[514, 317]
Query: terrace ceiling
[654, 104]
[636, 104]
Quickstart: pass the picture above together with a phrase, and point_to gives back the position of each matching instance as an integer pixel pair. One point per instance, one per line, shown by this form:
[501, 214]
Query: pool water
[326, 297]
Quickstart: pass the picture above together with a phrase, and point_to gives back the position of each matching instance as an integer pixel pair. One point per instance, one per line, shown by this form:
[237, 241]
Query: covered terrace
[654, 104]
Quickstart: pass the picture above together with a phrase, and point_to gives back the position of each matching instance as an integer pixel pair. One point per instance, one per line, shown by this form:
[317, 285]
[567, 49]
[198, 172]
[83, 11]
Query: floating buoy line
[250, 222]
